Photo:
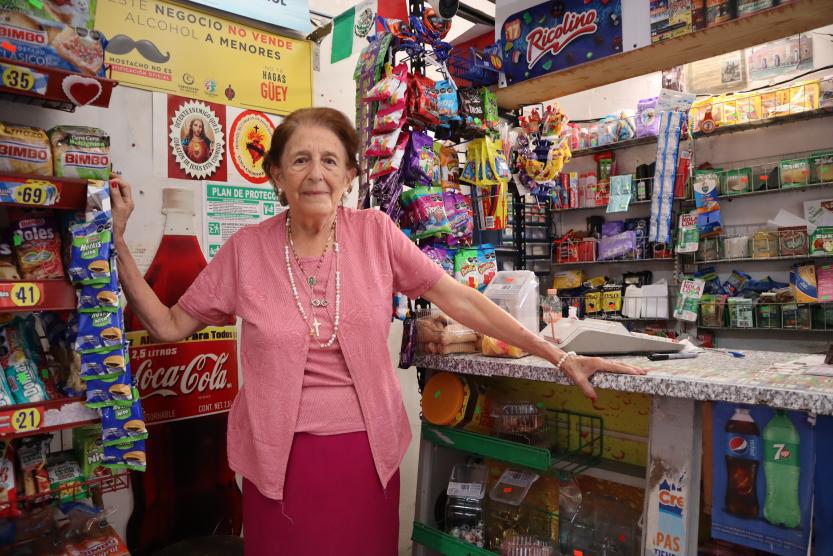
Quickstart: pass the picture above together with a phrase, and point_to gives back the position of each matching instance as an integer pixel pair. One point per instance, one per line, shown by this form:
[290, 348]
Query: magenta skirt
[333, 503]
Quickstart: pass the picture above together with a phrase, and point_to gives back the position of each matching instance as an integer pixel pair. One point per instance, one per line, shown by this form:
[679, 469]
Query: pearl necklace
[313, 326]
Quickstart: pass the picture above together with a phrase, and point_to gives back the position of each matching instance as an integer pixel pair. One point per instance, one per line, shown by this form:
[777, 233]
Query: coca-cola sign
[557, 35]
[187, 379]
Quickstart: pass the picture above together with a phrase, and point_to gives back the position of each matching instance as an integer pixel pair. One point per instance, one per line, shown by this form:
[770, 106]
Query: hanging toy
[435, 23]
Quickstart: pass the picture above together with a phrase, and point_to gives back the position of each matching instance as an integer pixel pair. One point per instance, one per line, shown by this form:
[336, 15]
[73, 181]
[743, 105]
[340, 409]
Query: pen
[667, 356]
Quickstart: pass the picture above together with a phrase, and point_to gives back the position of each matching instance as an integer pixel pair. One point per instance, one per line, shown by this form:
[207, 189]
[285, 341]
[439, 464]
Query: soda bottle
[782, 471]
[188, 491]
[743, 452]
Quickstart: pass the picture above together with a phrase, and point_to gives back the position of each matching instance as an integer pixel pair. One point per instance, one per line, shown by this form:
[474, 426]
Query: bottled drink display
[189, 490]
[782, 471]
[743, 452]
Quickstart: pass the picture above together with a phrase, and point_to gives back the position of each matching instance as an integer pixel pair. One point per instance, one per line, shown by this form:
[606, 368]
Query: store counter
[659, 438]
[761, 377]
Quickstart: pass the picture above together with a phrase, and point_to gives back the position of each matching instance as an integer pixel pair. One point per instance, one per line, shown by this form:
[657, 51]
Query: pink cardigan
[248, 278]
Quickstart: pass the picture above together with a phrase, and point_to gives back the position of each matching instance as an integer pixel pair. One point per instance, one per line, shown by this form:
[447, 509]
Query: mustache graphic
[122, 44]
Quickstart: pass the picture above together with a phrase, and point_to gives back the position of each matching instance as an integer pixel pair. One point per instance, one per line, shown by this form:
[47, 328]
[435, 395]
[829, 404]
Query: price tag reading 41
[19, 421]
[22, 78]
[14, 295]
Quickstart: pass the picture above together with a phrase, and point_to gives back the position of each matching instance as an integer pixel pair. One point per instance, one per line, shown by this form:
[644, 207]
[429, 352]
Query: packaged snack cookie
[91, 251]
[65, 476]
[103, 366]
[80, 152]
[126, 456]
[419, 159]
[88, 448]
[111, 392]
[24, 150]
[22, 376]
[121, 425]
[8, 486]
[99, 331]
[37, 244]
[100, 297]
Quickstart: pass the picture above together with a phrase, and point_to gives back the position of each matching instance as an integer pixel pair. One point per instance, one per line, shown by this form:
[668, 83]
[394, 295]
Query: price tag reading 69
[35, 193]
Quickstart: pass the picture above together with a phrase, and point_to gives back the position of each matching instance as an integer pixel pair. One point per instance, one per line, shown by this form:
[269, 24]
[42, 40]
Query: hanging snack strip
[100, 341]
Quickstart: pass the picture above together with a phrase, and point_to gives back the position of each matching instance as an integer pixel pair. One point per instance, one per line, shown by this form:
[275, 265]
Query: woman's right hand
[121, 201]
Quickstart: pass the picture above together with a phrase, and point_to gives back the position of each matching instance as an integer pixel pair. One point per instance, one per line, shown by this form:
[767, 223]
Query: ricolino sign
[557, 35]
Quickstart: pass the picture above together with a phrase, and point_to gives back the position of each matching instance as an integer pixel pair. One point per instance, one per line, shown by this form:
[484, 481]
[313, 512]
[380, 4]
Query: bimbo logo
[22, 34]
[552, 40]
[184, 379]
[88, 160]
[23, 152]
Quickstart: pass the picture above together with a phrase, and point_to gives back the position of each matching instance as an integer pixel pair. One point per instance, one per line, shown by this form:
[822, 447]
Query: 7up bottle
[781, 467]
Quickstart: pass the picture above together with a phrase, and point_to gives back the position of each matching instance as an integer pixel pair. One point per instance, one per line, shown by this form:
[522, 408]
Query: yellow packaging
[730, 112]
[612, 301]
[595, 282]
[803, 283]
[568, 279]
[782, 103]
[592, 303]
[492, 347]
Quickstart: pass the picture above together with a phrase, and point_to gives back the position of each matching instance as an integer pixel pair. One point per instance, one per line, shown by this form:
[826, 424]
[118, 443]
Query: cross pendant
[316, 325]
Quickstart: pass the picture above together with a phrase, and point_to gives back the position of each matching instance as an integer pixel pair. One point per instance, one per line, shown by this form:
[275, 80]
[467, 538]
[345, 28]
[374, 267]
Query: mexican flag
[356, 23]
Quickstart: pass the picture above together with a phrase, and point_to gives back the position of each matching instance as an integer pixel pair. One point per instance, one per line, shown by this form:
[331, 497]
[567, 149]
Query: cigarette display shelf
[17, 421]
[51, 87]
[30, 191]
[787, 19]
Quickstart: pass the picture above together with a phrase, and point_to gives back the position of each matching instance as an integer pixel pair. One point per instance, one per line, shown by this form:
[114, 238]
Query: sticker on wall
[250, 137]
[197, 139]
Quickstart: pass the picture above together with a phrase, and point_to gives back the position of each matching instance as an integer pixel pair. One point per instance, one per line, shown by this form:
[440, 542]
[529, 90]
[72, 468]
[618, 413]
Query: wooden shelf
[43, 192]
[781, 21]
[52, 87]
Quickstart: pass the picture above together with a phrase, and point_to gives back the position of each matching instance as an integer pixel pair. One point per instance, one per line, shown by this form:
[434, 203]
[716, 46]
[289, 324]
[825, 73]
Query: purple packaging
[647, 118]
[613, 228]
[617, 247]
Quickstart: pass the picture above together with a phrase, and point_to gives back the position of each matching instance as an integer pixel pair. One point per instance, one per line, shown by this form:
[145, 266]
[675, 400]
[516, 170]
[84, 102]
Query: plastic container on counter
[520, 421]
[464, 509]
[452, 400]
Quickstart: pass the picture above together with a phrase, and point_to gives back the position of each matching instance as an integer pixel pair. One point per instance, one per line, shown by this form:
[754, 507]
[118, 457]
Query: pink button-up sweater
[248, 278]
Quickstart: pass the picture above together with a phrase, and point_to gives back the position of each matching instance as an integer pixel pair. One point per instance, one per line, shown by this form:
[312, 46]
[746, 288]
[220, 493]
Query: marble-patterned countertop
[762, 377]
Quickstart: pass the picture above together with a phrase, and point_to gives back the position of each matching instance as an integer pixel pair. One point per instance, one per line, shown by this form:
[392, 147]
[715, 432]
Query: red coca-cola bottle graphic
[188, 490]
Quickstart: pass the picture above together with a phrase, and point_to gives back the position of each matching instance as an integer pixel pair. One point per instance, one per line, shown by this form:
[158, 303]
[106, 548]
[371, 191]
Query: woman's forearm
[163, 323]
[473, 309]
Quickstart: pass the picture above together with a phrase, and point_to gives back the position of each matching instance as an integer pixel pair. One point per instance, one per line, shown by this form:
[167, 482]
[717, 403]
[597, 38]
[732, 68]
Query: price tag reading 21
[20, 421]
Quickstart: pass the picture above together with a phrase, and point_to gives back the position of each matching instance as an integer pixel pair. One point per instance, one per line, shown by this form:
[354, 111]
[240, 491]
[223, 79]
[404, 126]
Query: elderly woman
[318, 429]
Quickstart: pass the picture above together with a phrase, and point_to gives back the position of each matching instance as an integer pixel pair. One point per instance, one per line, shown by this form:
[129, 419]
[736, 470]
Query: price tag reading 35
[23, 79]
[23, 420]
[20, 295]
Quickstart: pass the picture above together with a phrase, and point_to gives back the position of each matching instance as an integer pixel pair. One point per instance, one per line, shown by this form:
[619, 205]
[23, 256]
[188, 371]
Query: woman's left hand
[580, 368]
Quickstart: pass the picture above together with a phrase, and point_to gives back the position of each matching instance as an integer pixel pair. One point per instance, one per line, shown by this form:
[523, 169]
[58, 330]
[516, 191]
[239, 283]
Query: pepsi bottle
[743, 454]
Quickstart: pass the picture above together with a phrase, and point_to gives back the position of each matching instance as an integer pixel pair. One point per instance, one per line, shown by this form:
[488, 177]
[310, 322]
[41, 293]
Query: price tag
[23, 79]
[21, 421]
[25, 294]
[39, 193]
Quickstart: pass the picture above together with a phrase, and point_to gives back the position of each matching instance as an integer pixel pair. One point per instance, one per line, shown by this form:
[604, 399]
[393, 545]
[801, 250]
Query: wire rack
[763, 314]
[751, 242]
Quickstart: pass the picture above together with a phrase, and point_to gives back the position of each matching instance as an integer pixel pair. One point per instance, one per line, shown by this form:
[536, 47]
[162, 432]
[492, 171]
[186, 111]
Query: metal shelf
[25, 190]
[766, 260]
[444, 543]
[781, 21]
[55, 88]
[29, 419]
[794, 189]
[616, 261]
[105, 483]
[37, 295]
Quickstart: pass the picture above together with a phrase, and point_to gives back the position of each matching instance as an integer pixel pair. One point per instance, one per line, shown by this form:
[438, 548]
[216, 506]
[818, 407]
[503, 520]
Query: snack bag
[384, 123]
[8, 270]
[448, 107]
[386, 87]
[449, 168]
[24, 382]
[426, 211]
[486, 265]
[490, 109]
[80, 152]
[492, 347]
[465, 267]
[93, 298]
[112, 392]
[24, 150]
[803, 283]
[424, 103]
[419, 165]
[32, 457]
[91, 252]
[126, 456]
[472, 109]
[99, 331]
[65, 475]
[458, 207]
[123, 425]
[8, 488]
[37, 244]
[88, 448]
[103, 366]
[444, 258]
[383, 145]
[384, 166]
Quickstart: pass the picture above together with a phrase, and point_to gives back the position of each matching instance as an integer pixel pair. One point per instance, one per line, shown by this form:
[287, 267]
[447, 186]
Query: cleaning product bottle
[782, 470]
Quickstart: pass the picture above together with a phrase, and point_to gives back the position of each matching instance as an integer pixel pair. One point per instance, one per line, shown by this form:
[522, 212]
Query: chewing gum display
[37, 244]
[103, 366]
[91, 251]
[121, 425]
[22, 376]
[113, 392]
[99, 331]
[126, 456]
